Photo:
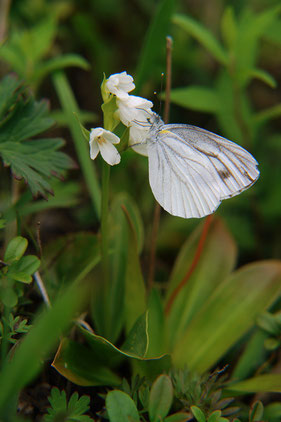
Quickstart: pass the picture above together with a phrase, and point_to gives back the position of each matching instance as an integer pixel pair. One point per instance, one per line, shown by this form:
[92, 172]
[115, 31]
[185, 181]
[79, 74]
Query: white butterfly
[192, 170]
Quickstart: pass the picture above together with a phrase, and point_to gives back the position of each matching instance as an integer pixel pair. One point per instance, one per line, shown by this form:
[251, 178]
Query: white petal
[120, 84]
[94, 149]
[109, 153]
[111, 137]
[95, 132]
[134, 110]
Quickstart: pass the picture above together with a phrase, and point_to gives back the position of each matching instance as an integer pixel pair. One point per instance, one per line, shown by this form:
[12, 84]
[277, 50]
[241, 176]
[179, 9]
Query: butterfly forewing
[191, 170]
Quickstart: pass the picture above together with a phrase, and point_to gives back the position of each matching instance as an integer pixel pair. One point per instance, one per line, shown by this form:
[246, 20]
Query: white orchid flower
[120, 84]
[102, 140]
[134, 111]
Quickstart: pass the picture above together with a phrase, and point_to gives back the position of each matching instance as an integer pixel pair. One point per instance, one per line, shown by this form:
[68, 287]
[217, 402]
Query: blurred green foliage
[226, 78]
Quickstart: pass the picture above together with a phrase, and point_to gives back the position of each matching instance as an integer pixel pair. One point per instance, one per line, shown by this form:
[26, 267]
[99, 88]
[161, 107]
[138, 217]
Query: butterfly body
[191, 170]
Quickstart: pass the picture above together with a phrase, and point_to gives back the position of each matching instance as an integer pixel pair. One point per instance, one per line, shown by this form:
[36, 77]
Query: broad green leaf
[136, 343]
[77, 363]
[153, 51]
[69, 106]
[29, 355]
[155, 324]
[135, 292]
[160, 398]
[203, 36]
[216, 262]
[267, 383]
[228, 314]
[120, 407]
[91, 364]
[15, 249]
[196, 98]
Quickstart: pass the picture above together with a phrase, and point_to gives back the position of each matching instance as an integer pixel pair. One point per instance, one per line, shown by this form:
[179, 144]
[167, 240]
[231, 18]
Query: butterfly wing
[191, 170]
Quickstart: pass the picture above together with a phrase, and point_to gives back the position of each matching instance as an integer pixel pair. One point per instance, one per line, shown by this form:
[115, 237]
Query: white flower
[102, 140]
[134, 110]
[120, 84]
[137, 139]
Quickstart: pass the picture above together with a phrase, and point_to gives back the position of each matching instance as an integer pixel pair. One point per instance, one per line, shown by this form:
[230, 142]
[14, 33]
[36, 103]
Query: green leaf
[252, 357]
[23, 269]
[202, 35]
[216, 262]
[153, 50]
[136, 343]
[69, 105]
[256, 412]
[229, 27]
[33, 160]
[135, 292]
[160, 398]
[196, 98]
[10, 90]
[59, 63]
[29, 355]
[15, 249]
[155, 324]
[269, 323]
[72, 411]
[228, 314]
[267, 383]
[177, 417]
[272, 411]
[120, 407]
[262, 75]
[8, 296]
[198, 414]
[78, 364]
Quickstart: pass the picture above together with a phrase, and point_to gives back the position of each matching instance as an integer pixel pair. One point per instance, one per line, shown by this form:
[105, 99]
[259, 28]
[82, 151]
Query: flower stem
[104, 220]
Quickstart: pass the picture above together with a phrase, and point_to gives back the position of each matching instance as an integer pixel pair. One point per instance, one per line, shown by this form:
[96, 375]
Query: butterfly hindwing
[191, 170]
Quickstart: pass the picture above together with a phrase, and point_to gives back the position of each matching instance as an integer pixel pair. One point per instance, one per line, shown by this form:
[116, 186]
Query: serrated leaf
[34, 160]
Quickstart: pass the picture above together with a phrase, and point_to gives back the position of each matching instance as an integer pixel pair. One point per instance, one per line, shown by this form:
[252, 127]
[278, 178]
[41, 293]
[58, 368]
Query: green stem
[104, 244]
[104, 218]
